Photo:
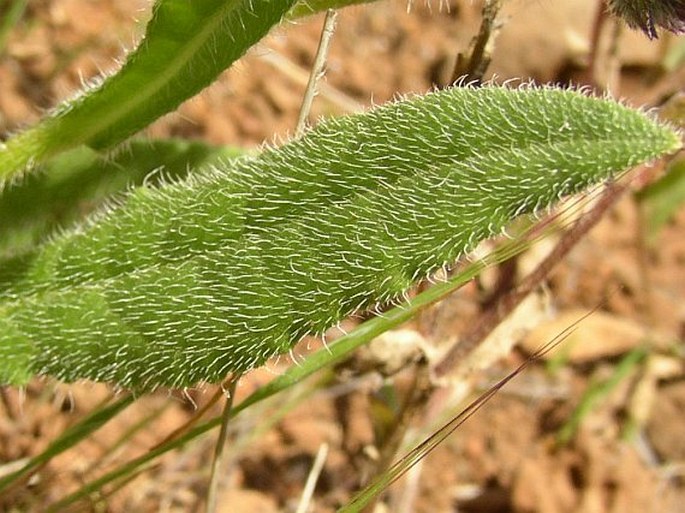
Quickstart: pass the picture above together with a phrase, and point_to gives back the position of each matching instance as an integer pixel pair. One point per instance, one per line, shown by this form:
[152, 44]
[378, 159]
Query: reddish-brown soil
[628, 454]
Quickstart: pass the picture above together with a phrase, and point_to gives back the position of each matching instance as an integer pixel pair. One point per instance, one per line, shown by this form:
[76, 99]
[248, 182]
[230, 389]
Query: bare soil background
[505, 458]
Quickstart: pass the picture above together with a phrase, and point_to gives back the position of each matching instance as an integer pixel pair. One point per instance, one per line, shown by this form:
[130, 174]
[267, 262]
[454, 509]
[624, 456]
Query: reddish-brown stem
[595, 34]
[473, 68]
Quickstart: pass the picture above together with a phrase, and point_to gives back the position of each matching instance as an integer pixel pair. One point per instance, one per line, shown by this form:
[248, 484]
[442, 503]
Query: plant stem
[595, 33]
[7, 403]
[317, 69]
[313, 477]
[219, 452]
[473, 69]
[336, 98]
[176, 433]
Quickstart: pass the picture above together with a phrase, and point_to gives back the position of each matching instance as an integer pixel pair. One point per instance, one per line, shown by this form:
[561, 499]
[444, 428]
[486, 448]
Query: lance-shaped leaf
[187, 44]
[216, 274]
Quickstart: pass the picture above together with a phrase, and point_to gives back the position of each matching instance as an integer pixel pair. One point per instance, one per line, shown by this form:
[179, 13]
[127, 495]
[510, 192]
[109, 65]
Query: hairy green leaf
[78, 181]
[186, 46]
[216, 274]
[323, 358]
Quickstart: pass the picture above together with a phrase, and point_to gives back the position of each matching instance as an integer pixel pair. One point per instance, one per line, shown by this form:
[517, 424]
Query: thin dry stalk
[317, 69]
[300, 75]
[219, 452]
[598, 23]
[7, 403]
[312, 479]
[176, 433]
[472, 69]
[406, 501]
[604, 61]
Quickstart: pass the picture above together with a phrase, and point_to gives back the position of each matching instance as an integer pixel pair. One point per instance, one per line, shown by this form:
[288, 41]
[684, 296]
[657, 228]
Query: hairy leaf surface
[216, 274]
[78, 181]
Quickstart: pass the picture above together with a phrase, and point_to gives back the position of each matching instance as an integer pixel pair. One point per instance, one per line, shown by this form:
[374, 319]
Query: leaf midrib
[118, 111]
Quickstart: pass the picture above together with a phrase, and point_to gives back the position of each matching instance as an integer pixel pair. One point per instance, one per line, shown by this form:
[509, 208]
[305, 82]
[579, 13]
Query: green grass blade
[598, 391]
[661, 200]
[11, 12]
[214, 275]
[69, 438]
[186, 46]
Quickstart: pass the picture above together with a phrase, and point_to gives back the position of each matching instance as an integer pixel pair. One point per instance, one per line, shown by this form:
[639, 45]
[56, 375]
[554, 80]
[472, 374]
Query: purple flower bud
[650, 14]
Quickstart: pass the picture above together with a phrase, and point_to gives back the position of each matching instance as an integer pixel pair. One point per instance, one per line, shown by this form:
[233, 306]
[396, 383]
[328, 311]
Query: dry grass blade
[384, 480]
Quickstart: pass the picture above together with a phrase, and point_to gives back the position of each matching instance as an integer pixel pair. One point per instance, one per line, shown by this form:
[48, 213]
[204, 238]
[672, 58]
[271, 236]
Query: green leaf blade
[217, 274]
[662, 199]
[186, 46]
